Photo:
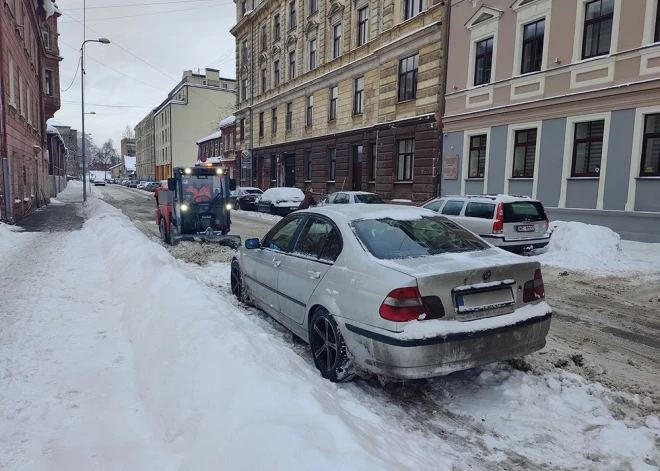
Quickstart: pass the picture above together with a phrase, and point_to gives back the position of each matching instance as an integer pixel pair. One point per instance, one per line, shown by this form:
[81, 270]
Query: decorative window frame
[526, 14]
[510, 150]
[649, 22]
[579, 30]
[480, 30]
[636, 155]
[466, 157]
[567, 163]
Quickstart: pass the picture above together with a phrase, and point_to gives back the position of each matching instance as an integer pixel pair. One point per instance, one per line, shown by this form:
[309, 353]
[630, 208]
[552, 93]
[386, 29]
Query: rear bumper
[516, 245]
[438, 356]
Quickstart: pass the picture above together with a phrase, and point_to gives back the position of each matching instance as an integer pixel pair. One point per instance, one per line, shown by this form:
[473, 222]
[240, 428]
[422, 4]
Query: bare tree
[129, 133]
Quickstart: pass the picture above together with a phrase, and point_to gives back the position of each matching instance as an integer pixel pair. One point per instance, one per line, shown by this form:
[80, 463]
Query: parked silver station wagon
[397, 291]
[514, 223]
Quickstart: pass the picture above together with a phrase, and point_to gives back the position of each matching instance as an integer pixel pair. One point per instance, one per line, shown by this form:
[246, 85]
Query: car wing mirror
[252, 244]
[171, 184]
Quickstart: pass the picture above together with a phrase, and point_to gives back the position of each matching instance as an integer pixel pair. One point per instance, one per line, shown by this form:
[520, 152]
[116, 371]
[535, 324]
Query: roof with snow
[210, 137]
[129, 162]
[57, 124]
[50, 129]
[228, 121]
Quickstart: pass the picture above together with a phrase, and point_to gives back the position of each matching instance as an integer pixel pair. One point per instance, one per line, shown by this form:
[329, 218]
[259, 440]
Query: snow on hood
[283, 194]
[223, 393]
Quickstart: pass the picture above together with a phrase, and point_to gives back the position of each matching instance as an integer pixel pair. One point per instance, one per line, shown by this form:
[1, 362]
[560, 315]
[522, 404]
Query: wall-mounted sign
[450, 167]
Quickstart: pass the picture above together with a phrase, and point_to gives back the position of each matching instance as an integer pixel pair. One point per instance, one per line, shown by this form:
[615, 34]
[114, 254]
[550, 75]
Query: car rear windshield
[369, 199]
[253, 192]
[524, 211]
[390, 238]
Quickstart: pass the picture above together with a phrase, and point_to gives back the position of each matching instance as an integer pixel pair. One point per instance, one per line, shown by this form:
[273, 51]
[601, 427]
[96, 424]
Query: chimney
[212, 74]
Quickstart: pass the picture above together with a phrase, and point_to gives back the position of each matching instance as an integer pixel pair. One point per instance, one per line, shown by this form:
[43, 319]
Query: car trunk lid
[524, 220]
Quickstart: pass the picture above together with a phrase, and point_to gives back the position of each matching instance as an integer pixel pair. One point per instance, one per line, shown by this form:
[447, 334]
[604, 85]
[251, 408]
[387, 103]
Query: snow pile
[221, 391]
[579, 246]
[270, 217]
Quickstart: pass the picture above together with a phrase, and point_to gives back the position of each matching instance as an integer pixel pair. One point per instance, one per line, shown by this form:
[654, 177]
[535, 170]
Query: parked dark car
[132, 184]
[245, 198]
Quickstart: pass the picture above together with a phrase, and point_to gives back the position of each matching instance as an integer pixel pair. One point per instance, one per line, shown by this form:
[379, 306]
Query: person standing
[308, 200]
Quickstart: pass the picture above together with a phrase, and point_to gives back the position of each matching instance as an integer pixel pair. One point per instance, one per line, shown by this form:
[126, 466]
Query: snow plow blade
[231, 241]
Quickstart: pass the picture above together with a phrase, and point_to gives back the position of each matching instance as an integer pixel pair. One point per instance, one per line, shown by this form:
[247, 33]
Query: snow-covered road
[115, 355]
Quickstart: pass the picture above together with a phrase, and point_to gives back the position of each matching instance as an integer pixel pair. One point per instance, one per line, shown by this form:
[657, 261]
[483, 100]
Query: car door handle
[276, 263]
[314, 274]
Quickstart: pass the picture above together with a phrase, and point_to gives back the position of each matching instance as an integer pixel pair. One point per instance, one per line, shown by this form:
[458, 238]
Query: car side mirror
[171, 184]
[252, 244]
[232, 184]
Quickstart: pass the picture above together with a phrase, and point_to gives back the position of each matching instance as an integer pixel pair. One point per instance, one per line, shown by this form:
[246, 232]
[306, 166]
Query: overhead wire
[139, 4]
[141, 14]
[73, 79]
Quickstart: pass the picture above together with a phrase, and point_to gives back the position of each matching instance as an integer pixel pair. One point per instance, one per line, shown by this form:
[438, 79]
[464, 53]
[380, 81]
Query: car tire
[272, 209]
[173, 233]
[328, 348]
[236, 282]
[163, 231]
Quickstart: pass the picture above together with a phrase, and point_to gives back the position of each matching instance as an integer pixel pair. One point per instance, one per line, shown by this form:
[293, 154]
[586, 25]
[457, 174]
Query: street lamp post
[82, 91]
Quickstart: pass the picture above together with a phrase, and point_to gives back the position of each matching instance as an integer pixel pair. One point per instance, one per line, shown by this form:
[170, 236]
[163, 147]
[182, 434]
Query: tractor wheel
[329, 349]
[174, 232]
[163, 231]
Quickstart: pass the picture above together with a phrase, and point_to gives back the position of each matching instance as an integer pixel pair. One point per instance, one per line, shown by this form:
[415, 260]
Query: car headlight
[184, 207]
[187, 171]
[229, 207]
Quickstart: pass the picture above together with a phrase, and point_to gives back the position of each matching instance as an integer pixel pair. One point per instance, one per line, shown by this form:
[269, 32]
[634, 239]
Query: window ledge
[403, 182]
[648, 177]
[521, 178]
[372, 181]
[307, 181]
[331, 181]
[357, 115]
[403, 102]
[474, 179]
[582, 178]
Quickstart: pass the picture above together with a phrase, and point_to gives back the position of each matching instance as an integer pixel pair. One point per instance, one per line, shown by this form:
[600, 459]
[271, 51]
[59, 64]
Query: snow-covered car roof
[275, 194]
[489, 198]
[354, 212]
[353, 192]
[248, 188]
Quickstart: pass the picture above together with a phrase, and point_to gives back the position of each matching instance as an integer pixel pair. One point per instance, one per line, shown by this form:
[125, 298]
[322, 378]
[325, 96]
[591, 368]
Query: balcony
[51, 105]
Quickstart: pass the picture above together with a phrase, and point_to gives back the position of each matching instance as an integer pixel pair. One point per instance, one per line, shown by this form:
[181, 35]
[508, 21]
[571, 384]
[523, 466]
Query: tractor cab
[196, 206]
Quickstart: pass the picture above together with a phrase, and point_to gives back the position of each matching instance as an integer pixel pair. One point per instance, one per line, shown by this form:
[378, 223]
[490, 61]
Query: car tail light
[534, 289]
[402, 304]
[547, 222]
[498, 225]
[245, 198]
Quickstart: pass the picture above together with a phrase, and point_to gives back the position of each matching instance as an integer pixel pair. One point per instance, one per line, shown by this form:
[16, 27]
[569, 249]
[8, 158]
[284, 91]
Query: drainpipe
[3, 148]
[251, 98]
[447, 25]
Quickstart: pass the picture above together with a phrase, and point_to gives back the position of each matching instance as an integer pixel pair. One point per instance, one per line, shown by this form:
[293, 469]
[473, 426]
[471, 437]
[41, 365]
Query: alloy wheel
[236, 284]
[324, 343]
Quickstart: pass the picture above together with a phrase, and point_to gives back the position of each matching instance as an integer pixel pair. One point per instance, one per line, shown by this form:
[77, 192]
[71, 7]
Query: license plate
[525, 228]
[484, 300]
[206, 217]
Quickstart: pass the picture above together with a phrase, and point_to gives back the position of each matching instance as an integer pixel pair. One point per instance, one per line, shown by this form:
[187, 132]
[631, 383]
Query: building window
[308, 165]
[413, 8]
[312, 54]
[524, 153]
[332, 164]
[651, 147]
[45, 34]
[656, 36]
[276, 27]
[406, 160]
[362, 26]
[313, 6]
[244, 51]
[12, 83]
[374, 162]
[483, 61]
[532, 47]
[408, 78]
[336, 41]
[263, 80]
[289, 116]
[21, 101]
[292, 65]
[588, 148]
[243, 7]
[309, 115]
[29, 106]
[598, 19]
[334, 98]
[244, 87]
[261, 124]
[276, 73]
[242, 135]
[224, 85]
[358, 98]
[264, 37]
[292, 15]
[477, 162]
[274, 121]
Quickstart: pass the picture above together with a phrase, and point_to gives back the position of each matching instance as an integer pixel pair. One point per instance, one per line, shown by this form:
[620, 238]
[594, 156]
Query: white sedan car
[352, 197]
[397, 291]
[280, 201]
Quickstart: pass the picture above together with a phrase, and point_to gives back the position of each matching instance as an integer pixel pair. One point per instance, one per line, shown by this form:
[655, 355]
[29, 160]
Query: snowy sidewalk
[67, 399]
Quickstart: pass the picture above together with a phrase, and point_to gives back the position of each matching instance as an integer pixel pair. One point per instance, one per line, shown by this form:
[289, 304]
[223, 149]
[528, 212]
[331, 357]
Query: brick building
[29, 65]
[341, 94]
[228, 128]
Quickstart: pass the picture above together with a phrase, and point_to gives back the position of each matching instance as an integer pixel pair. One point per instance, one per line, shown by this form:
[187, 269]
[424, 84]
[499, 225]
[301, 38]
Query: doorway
[289, 170]
[357, 169]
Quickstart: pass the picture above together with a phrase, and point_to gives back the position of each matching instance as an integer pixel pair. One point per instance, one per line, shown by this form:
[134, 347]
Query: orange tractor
[195, 206]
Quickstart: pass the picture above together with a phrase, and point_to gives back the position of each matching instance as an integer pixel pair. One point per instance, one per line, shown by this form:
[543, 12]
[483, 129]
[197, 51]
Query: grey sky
[194, 34]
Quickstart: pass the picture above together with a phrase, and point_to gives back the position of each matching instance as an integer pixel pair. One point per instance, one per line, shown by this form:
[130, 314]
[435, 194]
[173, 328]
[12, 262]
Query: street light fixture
[82, 87]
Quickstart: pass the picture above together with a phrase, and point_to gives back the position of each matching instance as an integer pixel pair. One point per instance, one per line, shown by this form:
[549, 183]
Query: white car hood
[451, 262]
